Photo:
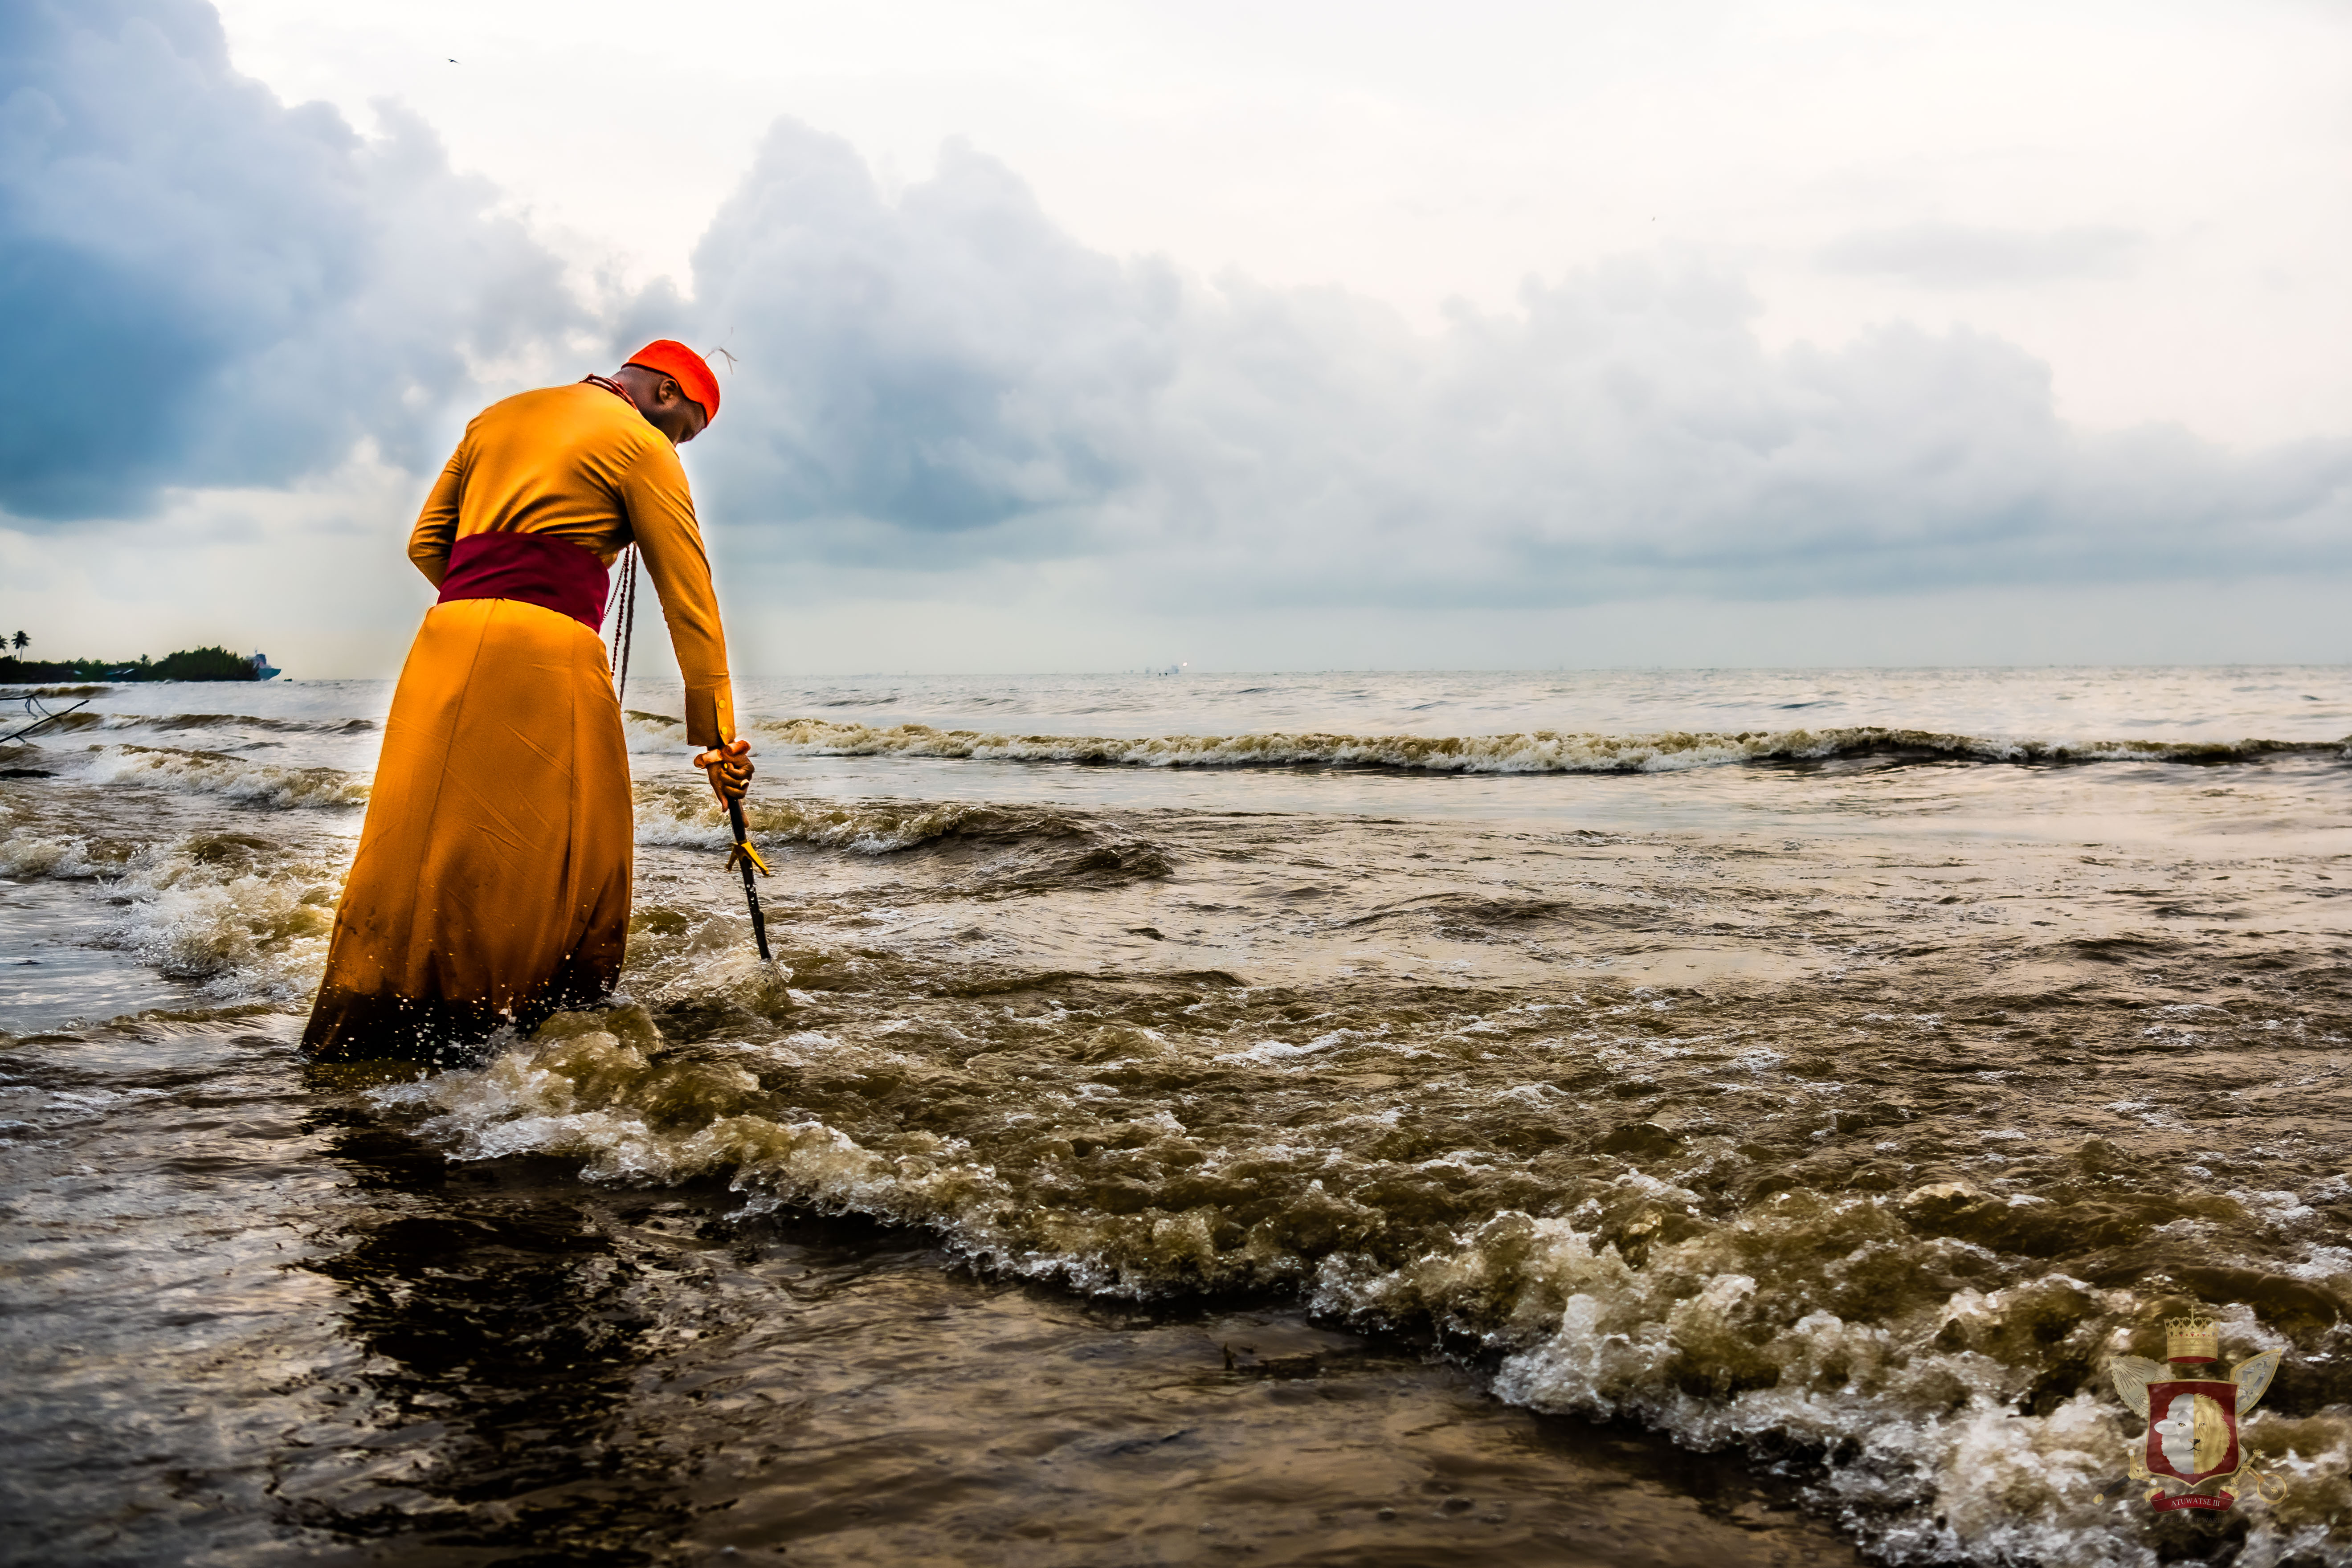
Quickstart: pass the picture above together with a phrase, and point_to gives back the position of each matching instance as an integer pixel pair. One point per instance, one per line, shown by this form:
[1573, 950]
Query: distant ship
[262, 668]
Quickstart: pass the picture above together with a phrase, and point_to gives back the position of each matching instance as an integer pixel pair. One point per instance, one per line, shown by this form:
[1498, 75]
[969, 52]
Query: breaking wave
[177, 721]
[1880, 1233]
[250, 938]
[52, 725]
[1535, 752]
[685, 816]
[216, 774]
[29, 856]
[1919, 1372]
[232, 914]
[1000, 849]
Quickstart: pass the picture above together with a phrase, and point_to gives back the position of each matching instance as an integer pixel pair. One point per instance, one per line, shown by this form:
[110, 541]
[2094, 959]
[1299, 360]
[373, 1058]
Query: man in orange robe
[492, 881]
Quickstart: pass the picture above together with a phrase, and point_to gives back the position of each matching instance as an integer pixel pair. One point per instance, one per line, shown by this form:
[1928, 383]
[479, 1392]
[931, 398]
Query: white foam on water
[27, 857]
[1929, 1456]
[1920, 1426]
[1710, 1329]
[252, 938]
[237, 933]
[235, 778]
[1276, 1051]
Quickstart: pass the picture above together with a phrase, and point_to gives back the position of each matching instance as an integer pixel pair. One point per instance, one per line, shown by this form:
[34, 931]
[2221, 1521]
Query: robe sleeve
[661, 517]
[437, 525]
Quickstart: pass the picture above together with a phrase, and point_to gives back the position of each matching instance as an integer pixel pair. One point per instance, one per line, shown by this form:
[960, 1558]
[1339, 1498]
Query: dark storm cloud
[946, 378]
[948, 362]
[208, 288]
[1952, 256]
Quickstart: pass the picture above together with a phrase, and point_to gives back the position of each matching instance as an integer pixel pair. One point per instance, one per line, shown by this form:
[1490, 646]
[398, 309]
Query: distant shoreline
[213, 663]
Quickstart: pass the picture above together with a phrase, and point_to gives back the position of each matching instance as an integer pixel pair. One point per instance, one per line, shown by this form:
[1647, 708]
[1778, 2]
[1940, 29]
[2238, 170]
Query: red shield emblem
[2192, 1428]
[2192, 1422]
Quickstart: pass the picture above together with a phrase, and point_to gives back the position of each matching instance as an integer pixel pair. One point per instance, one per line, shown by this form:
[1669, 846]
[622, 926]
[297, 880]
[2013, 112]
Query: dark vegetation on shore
[189, 664]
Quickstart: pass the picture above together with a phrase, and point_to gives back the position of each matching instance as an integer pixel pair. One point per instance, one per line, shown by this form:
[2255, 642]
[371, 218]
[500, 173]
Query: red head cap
[686, 367]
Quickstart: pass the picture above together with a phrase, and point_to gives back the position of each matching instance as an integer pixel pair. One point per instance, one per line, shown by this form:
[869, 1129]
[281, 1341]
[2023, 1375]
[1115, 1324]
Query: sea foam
[1534, 752]
[235, 778]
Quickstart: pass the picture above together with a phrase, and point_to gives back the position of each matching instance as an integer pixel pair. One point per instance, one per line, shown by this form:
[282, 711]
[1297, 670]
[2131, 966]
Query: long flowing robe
[492, 880]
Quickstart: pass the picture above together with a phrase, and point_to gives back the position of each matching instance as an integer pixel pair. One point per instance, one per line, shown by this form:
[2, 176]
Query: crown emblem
[2192, 1338]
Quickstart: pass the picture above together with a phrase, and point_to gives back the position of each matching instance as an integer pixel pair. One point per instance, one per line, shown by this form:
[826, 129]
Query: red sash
[553, 573]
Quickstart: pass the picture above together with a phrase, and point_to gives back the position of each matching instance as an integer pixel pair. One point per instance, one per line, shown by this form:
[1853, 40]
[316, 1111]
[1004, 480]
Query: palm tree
[21, 640]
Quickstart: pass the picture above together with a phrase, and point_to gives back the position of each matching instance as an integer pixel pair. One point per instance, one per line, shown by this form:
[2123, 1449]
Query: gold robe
[492, 881]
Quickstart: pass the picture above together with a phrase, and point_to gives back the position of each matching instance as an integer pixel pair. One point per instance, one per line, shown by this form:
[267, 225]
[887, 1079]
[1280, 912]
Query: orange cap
[687, 368]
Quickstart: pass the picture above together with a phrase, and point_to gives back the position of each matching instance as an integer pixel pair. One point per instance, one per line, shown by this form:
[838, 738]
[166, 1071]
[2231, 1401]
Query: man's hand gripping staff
[728, 768]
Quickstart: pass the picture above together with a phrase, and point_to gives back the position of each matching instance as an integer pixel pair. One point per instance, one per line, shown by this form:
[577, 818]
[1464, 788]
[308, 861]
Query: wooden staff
[744, 856]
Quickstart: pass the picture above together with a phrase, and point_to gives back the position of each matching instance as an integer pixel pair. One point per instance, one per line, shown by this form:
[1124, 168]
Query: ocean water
[1627, 1117]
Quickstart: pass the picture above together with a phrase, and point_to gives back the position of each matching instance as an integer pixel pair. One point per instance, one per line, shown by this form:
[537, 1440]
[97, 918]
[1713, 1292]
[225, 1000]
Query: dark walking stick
[749, 858]
[32, 707]
[624, 622]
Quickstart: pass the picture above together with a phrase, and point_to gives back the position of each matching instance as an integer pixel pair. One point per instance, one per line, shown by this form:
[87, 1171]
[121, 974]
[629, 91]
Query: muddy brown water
[1756, 1163]
[415, 1362]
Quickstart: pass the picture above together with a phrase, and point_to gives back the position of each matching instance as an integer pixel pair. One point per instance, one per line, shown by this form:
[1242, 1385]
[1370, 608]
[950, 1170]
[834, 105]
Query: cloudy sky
[1085, 335]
